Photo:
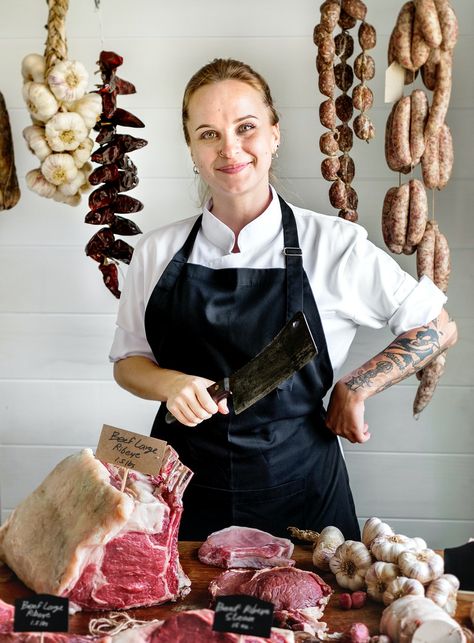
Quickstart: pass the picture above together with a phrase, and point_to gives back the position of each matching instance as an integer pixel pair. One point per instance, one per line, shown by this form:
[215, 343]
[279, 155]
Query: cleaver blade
[286, 354]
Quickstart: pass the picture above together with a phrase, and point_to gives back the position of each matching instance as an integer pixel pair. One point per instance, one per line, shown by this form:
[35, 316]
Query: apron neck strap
[183, 253]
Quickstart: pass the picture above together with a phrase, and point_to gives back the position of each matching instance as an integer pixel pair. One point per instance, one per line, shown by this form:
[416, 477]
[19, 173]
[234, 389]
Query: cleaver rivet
[295, 324]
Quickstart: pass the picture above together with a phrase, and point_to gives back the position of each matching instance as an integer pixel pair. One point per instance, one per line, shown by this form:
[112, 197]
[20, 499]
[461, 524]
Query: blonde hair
[226, 69]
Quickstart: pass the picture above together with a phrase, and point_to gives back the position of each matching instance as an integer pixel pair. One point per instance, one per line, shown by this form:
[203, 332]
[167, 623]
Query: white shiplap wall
[57, 319]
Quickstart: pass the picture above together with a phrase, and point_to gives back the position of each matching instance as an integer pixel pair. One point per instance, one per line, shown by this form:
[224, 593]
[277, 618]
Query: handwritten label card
[130, 450]
[41, 613]
[243, 615]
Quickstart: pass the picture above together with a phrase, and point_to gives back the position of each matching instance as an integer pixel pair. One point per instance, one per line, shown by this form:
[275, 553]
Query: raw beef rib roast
[77, 535]
[246, 547]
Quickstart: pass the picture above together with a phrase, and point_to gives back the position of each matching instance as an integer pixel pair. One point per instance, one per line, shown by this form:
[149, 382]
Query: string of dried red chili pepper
[116, 173]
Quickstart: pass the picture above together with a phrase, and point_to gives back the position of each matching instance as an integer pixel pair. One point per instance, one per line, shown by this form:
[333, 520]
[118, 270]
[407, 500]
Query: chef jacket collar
[263, 229]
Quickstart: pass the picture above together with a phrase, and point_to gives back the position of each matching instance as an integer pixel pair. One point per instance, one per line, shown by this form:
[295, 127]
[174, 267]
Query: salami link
[399, 218]
[441, 95]
[425, 252]
[330, 168]
[442, 261]
[330, 12]
[386, 210]
[402, 36]
[337, 194]
[401, 132]
[430, 163]
[355, 8]
[429, 22]
[445, 156]
[420, 50]
[428, 70]
[367, 36]
[430, 376]
[448, 23]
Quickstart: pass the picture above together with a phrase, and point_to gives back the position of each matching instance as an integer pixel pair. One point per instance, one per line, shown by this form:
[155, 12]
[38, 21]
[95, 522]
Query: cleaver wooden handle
[218, 391]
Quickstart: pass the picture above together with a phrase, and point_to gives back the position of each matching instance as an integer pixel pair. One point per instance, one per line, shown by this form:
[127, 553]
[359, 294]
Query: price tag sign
[41, 613]
[243, 615]
[394, 82]
[130, 450]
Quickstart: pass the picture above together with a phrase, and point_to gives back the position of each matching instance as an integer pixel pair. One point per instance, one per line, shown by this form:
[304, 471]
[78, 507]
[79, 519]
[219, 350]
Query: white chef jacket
[354, 283]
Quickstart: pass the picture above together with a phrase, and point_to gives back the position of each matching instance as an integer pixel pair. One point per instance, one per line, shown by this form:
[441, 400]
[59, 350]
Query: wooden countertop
[201, 575]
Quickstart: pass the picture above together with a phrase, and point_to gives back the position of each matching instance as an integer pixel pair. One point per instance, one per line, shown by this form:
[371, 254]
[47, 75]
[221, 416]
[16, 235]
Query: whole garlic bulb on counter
[389, 547]
[443, 591]
[402, 586]
[425, 565]
[373, 528]
[63, 116]
[378, 577]
[329, 540]
[350, 563]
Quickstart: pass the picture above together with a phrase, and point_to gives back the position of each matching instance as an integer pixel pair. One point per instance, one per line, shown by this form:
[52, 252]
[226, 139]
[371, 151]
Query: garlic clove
[33, 68]
[72, 187]
[65, 131]
[68, 80]
[36, 182]
[378, 577]
[59, 168]
[389, 547]
[350, 563]
[35, 137]
[41, 103]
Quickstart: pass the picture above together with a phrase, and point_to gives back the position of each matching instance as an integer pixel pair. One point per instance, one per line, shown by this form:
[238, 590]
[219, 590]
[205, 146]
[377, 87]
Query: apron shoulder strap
[293, 260]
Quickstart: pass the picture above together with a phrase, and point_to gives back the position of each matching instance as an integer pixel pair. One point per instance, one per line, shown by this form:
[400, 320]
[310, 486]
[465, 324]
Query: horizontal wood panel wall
[57, 319]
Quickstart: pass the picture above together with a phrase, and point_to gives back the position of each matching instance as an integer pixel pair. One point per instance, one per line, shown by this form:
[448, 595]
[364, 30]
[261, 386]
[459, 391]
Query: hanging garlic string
[56, 44]
[99, 17]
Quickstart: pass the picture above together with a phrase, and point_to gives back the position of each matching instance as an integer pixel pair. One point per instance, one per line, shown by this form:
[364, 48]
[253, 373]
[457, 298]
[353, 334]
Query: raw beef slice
[299, 597]
[77, 535]
[245, 547]
[195, 626]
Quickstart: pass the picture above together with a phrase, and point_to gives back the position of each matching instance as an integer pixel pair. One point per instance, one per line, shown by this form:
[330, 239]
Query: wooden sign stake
[124, 479]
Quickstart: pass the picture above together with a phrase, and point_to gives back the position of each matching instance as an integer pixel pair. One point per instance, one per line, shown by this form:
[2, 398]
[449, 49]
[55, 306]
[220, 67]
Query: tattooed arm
[407, 354]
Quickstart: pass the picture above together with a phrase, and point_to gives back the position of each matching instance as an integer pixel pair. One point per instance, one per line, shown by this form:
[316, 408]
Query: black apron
[275, 464]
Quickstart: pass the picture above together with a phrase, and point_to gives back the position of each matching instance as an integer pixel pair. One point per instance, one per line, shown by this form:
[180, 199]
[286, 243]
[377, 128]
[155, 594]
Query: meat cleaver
[286, 354]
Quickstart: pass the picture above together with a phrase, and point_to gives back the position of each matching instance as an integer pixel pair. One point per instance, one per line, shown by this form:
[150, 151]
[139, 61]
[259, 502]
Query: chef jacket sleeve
[130, 337]
[383, 293]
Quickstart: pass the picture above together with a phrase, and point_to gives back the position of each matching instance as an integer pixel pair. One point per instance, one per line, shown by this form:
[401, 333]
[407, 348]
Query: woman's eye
[245, 127]
[210, 134]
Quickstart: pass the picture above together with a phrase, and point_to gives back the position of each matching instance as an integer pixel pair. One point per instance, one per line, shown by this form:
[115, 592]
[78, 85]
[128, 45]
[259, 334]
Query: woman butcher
[205, 294]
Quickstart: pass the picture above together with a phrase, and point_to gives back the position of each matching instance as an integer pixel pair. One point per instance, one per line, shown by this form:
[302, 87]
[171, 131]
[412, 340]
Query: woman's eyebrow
[238, 120]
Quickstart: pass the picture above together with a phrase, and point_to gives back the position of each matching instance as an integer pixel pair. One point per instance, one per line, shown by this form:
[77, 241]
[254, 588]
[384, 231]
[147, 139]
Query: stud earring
[195, 170]
[275, 152]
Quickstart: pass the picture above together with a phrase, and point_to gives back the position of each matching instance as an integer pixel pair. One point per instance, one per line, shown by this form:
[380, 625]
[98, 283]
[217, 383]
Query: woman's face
[231, 137]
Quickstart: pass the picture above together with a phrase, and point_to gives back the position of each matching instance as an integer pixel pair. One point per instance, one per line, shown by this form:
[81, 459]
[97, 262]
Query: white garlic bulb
[40, 101]
[73, 199]
[425, 565]
[65, 131]
[59, 168]
[402, 586]
[89, 107]
[350, 563]
[83, 151]
[420, 543]
[389, 547]
[373, 528]
[443, 591]
[73, 187]
[378, 577]
[68, 80]
[36, 182]
[33, 68]
[329, 540]
[36, 140]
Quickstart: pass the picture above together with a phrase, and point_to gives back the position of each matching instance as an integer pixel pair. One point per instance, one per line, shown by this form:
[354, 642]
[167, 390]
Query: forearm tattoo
[407, 354]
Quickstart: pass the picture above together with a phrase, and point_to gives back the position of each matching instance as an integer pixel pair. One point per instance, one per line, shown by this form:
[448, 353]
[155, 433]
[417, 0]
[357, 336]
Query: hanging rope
[56, 44]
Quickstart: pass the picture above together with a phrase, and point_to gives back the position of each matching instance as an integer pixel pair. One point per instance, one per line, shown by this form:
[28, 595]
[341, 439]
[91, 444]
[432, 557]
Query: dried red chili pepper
[102, 216]
[106, 133]
[109, 60]
[126, 163]
[104, 173]
[103, 196]
[127, 119]
[126, 181]
[109, 153]
[98, 245]
[124, 226]
[110, 276]
[124, 86]
[130, 143]
[121, 250]
[125, 204]
[109, 105]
